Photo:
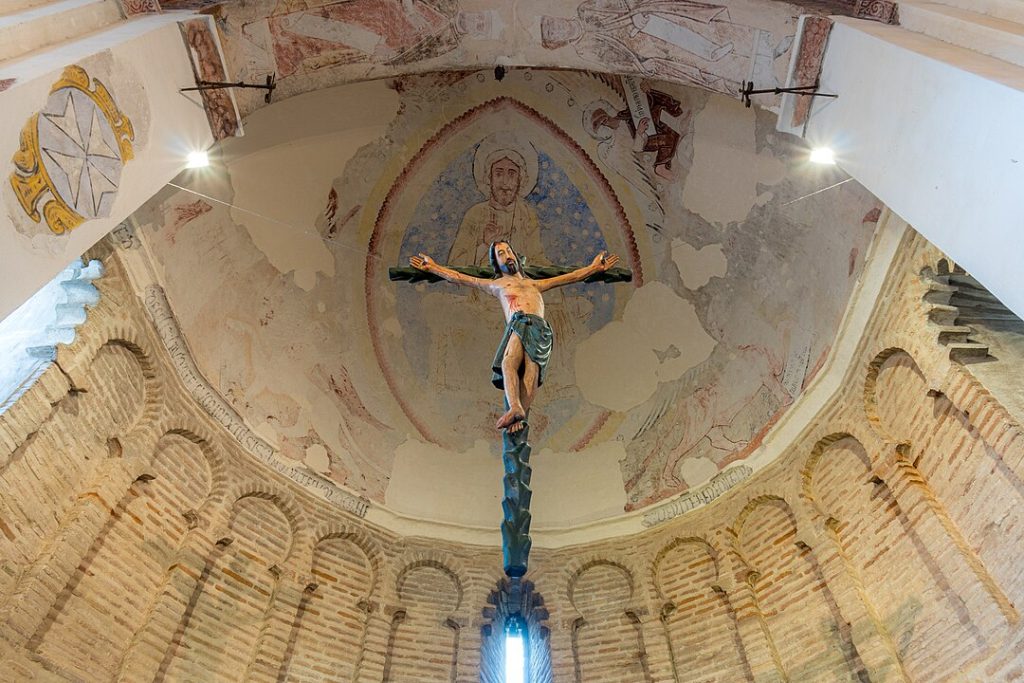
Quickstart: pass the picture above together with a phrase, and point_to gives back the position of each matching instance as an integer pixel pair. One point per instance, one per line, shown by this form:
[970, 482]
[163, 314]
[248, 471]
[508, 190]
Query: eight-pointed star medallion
[80, 152]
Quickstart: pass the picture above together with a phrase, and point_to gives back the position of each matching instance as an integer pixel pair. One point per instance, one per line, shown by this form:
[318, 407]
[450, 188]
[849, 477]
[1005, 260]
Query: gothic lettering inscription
[719, 484]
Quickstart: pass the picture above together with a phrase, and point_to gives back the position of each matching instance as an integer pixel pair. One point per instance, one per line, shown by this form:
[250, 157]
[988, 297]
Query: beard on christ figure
[505, 171]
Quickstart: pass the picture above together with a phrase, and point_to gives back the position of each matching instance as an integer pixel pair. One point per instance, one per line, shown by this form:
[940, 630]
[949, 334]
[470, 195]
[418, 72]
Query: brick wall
[138, 542]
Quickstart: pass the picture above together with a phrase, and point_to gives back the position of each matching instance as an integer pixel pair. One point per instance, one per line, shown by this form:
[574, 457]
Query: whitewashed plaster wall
[934, 131]
[142, 63]
[284, 333]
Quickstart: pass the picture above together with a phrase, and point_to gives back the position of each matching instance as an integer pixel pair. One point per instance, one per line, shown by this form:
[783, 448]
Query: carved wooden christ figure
[525, 348]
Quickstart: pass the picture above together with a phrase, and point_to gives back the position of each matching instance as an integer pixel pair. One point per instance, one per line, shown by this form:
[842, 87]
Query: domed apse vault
[655, 386]
[156, 468]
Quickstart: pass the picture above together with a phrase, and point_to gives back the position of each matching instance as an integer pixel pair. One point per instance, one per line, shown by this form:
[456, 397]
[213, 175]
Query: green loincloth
[537, 339]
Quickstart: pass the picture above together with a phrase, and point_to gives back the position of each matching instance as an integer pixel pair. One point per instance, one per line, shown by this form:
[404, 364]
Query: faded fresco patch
[682, 371]
[311, 44]
[308, 44]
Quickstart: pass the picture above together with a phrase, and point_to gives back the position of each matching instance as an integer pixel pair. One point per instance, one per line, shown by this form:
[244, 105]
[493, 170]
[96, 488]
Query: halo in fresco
[505, 144]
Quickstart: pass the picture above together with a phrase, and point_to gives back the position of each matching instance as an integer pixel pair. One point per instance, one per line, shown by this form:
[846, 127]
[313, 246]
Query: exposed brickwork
[138, 542]
[606, 639]
[142, 535]
[815, 646]
[425, 635]
[699, 624]
[343, 578]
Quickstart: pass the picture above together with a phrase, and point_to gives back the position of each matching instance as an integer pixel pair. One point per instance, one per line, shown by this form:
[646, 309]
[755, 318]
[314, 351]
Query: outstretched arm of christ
[429, 265]
[601, 263]
[412, 274]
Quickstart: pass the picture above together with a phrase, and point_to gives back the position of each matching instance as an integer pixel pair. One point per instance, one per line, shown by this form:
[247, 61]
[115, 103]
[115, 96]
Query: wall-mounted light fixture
[823, 155]
[197, 159]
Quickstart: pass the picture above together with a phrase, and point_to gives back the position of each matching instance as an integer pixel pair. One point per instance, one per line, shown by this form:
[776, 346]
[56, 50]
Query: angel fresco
[652, 134]
[673, 39]
[370, 31]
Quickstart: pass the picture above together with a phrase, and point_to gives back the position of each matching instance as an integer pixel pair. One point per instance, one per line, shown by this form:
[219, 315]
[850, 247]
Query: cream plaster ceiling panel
[741, 275]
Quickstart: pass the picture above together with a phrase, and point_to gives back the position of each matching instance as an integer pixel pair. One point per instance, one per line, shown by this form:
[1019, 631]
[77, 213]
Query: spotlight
[197, 160]
[499, 72]
[823, 155]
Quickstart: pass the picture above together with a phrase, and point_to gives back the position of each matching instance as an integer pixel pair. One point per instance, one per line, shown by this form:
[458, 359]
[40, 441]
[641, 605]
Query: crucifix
[519, 364]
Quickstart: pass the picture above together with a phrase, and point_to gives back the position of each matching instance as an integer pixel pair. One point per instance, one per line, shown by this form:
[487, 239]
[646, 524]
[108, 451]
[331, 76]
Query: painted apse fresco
[313, 43]
[741, 274]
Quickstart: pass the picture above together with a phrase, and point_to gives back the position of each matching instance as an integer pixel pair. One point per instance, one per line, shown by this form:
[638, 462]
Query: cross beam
[414, 275]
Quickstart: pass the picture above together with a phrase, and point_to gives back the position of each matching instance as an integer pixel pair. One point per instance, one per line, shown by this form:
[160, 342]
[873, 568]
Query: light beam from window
[515, 652]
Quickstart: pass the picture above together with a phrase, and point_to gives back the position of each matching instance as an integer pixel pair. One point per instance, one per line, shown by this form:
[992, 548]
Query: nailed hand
[421, 262]
[604, 262]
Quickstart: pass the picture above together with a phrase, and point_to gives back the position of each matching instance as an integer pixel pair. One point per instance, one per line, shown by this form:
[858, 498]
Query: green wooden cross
[518, 366]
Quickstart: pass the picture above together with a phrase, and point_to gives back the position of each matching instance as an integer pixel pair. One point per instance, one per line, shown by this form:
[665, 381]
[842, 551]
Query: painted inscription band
[719, 484]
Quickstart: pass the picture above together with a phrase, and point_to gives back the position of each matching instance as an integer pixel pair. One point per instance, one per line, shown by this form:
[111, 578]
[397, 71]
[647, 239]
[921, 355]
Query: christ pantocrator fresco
[505, 171]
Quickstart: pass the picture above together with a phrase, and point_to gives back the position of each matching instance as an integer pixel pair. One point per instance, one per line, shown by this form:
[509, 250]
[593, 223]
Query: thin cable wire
[661, 252]
[290, 226]
[668, 249]
[794, 201]
[364, 252]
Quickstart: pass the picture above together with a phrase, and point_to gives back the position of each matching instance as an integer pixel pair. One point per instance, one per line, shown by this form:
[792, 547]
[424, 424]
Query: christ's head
[504, 260]
[505, 178]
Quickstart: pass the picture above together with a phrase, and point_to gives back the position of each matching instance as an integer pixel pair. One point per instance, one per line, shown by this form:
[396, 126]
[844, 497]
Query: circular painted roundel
[79, 151]
[71, 154]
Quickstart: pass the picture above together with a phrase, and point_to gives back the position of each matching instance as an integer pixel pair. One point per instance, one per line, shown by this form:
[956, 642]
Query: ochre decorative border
[133, 7]
[813, 39]
[885, 11]
[30, 179]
